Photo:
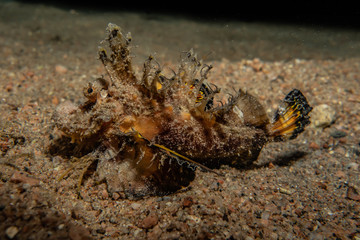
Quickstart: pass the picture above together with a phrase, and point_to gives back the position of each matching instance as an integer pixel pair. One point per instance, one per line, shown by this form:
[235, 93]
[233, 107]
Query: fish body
[148, 135]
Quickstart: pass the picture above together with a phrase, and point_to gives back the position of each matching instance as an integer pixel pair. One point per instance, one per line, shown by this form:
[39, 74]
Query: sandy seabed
[307, 188]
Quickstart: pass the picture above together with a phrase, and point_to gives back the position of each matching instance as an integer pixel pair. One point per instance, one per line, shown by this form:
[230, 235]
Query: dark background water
[330, 14]
[231, 30]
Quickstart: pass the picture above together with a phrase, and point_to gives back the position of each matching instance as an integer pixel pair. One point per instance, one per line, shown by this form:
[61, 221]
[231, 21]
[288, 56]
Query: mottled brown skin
[143, 131]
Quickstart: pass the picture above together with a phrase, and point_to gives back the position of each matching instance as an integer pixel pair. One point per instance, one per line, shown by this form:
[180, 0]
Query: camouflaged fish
[147, 135]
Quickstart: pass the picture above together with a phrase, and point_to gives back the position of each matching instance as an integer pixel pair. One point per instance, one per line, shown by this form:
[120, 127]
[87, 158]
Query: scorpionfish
[148, 134]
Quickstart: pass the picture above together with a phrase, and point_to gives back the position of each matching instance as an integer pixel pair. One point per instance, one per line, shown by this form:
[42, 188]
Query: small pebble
[284, 191]
[104, 194]
[353, 166]
[135, 206]
[323, 116]
[340, 174]
[55, 100]
[353, 194]
[322, 185]
[314, 146]
[11, 232]
[149, 222]
[30, 74]
[115, 196]
[271, 165]
[61, 69]
[338, 134]
[188, 202]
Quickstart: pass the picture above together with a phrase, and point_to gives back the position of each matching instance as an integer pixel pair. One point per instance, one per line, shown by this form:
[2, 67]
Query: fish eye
[90, 92]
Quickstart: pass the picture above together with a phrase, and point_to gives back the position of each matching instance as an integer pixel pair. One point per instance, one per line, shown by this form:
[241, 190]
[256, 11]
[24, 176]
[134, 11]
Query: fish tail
[291, 118]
